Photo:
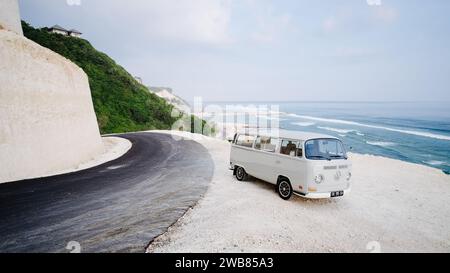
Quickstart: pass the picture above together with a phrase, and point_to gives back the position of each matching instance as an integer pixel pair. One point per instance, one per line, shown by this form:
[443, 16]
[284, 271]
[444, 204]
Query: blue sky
[258, 50]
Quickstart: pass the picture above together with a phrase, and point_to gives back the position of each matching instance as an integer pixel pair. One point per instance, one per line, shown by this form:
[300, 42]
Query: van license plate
[337, 193]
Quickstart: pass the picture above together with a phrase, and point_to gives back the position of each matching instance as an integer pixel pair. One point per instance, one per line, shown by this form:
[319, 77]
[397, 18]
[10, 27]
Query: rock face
[47, 119]
[167, 94]
[10, 16]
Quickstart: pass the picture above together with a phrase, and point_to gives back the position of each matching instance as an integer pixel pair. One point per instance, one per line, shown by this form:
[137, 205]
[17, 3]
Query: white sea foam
[360, 134]
[435, 162]
[291, 115]
[410, 132]
[381, 143]
[304, 124]
[341, 131]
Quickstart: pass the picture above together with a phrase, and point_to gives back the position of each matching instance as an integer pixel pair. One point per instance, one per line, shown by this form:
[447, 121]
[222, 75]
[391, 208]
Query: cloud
[342, 18]
[330, 24]
[385, 14]
[374, 2]
[352, 52]
[195, 21]
[271, 27]
[349, 18]
[268, 23]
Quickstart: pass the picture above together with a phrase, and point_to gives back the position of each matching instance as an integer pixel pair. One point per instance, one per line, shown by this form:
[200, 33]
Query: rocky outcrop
[47, 119]
[167, 94]
[10, 16]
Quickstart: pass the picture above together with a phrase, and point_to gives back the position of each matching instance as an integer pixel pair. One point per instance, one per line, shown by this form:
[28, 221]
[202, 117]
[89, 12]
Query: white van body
[303, 159]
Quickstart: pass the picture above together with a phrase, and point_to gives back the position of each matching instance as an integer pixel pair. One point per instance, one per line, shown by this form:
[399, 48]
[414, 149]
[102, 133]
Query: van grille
[330, 167]
[343, 167]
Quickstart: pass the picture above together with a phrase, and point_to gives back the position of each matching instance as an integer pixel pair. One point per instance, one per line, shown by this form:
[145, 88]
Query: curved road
[119, 206]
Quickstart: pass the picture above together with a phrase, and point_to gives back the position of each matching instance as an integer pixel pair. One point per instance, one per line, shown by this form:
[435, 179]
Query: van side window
[245, 141]
[289, 147]
[267, 144]
[300, 150]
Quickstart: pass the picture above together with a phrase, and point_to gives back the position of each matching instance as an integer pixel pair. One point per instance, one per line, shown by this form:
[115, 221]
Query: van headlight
[349, 175]
[319, 178]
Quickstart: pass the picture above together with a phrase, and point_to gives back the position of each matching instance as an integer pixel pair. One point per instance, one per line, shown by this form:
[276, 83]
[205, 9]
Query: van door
[243, 153]
[292, 164]
[265, 160]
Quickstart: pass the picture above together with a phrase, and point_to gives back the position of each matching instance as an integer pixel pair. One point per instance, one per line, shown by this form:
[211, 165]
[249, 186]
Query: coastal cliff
[47, 116]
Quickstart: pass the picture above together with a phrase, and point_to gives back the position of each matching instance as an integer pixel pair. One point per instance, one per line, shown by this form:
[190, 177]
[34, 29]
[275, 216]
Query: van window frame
[235, 138]
[242, 146]
[277, 148]
[300, 145]
[345, 156]
[277, 145]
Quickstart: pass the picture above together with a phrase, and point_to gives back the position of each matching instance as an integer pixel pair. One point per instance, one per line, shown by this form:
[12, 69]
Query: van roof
[281, 133]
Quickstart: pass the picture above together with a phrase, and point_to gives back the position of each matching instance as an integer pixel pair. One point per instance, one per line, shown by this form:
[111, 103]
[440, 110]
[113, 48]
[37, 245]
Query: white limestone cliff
[10, 16]
[47, 119]
[168, 95]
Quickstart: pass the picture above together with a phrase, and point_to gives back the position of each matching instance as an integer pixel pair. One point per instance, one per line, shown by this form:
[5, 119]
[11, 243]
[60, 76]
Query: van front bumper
[320, 195]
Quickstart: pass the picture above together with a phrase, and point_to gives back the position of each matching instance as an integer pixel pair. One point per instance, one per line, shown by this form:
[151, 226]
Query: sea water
[417, 132]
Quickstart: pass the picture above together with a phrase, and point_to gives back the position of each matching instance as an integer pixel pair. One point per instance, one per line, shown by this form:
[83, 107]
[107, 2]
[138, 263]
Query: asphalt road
[119, 206]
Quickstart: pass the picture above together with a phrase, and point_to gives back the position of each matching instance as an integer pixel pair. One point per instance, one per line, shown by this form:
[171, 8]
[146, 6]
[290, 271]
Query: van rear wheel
[241, 175]
[284, 189]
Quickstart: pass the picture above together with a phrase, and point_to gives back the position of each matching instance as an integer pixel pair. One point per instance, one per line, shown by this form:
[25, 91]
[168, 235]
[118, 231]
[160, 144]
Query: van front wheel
[241, 175]
[284, 189]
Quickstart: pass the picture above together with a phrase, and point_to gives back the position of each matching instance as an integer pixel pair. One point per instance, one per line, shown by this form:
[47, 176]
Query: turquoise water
[413, 132]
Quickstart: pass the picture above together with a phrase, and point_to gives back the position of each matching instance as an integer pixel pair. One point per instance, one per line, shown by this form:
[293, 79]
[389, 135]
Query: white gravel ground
[394, 207]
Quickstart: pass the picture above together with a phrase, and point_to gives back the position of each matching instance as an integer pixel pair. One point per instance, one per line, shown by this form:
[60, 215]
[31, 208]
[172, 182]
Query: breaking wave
[304, 124]
[381, 143]
[410, 132]
[341, 131]
[435, 162]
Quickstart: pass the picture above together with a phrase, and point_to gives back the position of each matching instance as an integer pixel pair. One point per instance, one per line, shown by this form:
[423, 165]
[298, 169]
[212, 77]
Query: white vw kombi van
[307, 164]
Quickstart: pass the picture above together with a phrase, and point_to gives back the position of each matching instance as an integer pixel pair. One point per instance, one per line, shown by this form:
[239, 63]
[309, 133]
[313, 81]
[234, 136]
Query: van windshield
[324, 149]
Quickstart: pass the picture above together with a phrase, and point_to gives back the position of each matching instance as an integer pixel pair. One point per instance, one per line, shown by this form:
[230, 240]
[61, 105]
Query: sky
[261, 50]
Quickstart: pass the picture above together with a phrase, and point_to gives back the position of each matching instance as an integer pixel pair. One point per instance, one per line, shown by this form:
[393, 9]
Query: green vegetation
[121, 103]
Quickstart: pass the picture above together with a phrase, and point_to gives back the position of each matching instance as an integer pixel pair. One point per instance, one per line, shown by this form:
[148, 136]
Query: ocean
[417, 132]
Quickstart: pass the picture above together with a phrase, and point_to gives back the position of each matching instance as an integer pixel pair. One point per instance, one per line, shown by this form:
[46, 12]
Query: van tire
[284, 189]
[241, 174]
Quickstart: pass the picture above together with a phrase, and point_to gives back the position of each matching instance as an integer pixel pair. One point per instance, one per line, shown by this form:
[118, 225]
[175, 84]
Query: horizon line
[327, 101]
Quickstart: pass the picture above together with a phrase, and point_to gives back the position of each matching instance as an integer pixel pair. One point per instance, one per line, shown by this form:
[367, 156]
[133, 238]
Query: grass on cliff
[121, 103]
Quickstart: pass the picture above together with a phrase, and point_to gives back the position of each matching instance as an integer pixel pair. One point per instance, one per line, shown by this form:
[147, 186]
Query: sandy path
[394, 205]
